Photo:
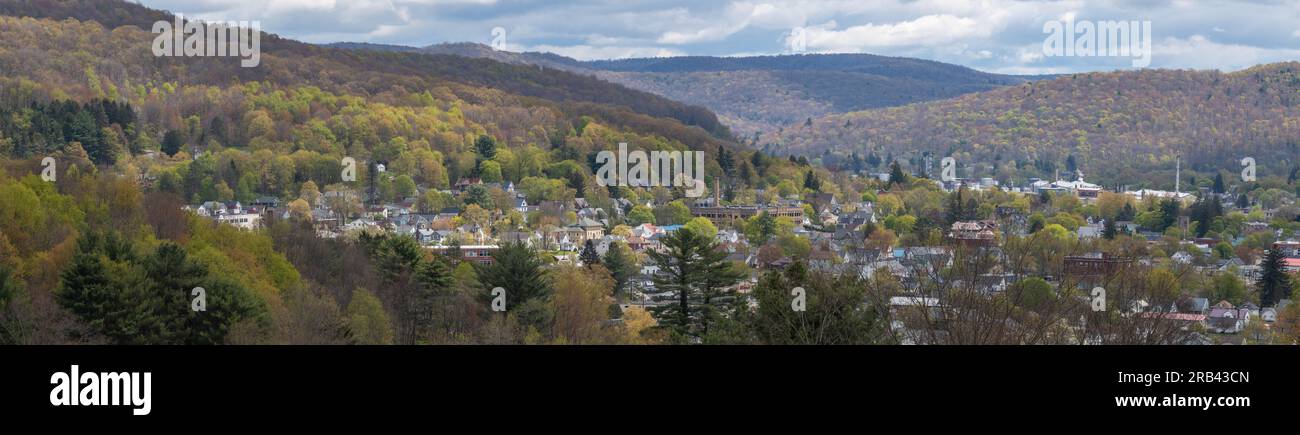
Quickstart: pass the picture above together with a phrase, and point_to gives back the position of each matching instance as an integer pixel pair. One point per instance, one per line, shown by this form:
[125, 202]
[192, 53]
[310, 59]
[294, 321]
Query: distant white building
[1158, 194]
[242, 220]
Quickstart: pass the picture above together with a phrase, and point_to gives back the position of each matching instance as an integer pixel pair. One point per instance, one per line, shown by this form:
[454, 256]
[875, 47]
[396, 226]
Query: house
[481, 254]
[974, 233]
[1254, 227]
[465, 183]
[1094, 266]
[1183, 320]
[1090, 231]
[821, 258]
[1183, 197]
[1224, 318]
[521, 206]
[1268, 315]
[586, 229]
[266, 202]
[247, 220]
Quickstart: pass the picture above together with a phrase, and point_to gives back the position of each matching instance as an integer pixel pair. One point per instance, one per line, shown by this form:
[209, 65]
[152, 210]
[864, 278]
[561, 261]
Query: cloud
[1200, 52]
[991, 35]
[929, 30]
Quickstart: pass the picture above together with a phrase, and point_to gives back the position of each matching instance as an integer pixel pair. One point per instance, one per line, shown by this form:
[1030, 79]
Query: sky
[1001, 36]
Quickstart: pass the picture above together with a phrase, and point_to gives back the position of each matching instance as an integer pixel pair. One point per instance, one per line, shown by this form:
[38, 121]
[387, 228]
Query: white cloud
[991, 35]
[929, 30]
[1199, 52]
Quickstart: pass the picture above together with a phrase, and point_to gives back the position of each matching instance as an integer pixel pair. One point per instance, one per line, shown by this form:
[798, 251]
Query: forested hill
[763, 93]
[293, 62]
[1119, 126]
[100, 249]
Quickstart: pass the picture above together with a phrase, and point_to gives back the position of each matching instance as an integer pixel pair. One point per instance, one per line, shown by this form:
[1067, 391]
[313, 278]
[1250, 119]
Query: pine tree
[1108, 230]
[725, 160]
[619, 265]
[691, 266]
[811, 182]
[589, 257]
[435, 281]
[171, 143]
[1273, 283]
[1218, 183]
[518, 269]
[1128, 213]
[896, 175]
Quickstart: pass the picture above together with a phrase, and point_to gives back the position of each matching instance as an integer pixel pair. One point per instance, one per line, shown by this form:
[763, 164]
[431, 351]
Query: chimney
[1178, 171]
[717, 194]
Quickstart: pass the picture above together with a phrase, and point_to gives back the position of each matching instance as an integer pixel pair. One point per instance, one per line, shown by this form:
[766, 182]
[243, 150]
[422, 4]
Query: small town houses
[836, 235]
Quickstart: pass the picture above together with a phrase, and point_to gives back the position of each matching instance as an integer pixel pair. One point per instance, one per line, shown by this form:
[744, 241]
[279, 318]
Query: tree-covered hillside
[1118, 128]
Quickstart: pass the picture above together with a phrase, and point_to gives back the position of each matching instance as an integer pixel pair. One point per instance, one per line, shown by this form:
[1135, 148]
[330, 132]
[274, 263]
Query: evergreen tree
[620, 265]
[1169, 211]
[148, 300]
[693, 267]
[836, 310]
[956, 207]
[1128, 213]
[896, 174]
[1108, 230]
[486, 147]
[1218, 183]
[811, 182]
[725, 160]
[518, 269]
[435, 282]
[1273, 283]
[589, 257]
[1204, 211]
[172, 142]
[1243, 201]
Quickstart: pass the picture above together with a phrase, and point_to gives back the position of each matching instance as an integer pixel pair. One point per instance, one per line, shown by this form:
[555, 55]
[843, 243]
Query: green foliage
[1227, 287]
[367, 320]
[697, 271]
[702, 227]
[1032, 293]
[132, 299]
[621, 262]
[516, 268]
[640, 214]
[1273, 284]
[172, 142]
[835, 310]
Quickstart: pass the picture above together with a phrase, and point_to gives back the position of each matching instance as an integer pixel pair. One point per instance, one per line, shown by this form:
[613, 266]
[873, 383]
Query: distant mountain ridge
[762, 93]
